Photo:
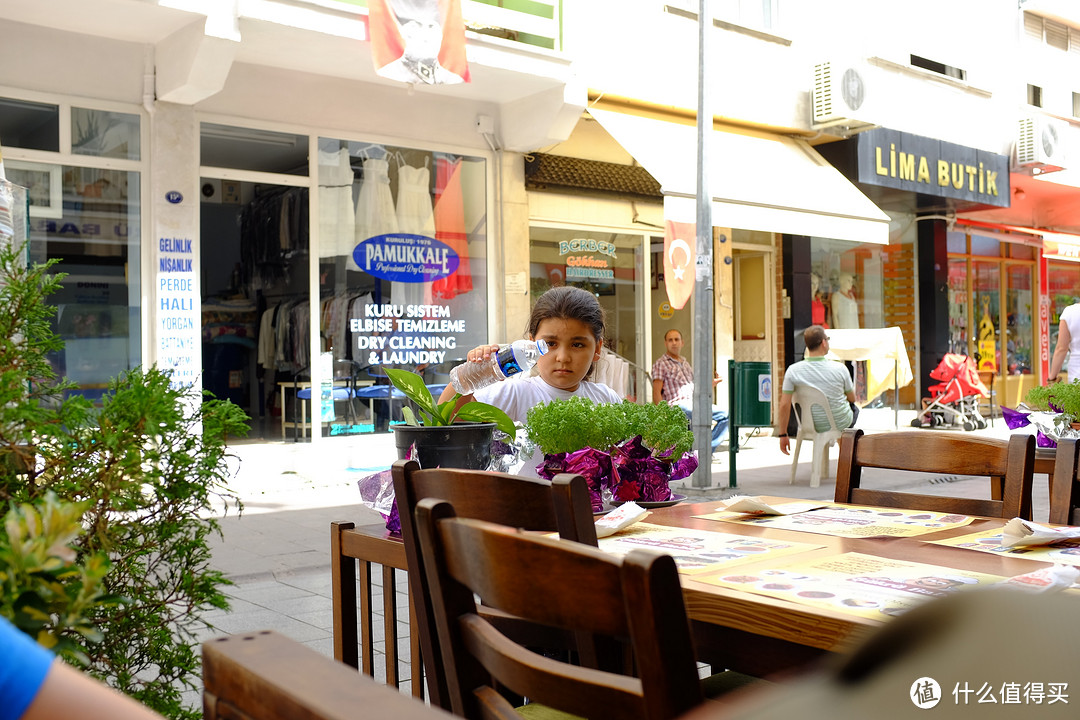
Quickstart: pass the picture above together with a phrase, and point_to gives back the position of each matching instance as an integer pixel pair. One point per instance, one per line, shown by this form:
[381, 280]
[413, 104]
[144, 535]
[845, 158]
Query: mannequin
[817, 307]
[845, 309]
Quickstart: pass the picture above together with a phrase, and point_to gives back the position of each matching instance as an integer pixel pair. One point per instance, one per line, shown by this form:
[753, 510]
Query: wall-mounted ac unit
[844, 93]
[1040, 145]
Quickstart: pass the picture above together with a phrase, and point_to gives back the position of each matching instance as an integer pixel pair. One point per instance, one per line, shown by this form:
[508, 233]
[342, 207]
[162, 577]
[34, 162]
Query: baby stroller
[956, 397]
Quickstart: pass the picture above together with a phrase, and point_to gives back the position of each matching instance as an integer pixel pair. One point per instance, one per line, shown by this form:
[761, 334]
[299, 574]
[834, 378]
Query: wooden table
[733, 629]
[1044, 462]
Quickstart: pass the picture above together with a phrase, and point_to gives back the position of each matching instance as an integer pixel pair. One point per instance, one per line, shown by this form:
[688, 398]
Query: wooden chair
[560, 505]
[806, 398]
[1065, 490]
[1009, 464]
[559, 584]
[266, 676]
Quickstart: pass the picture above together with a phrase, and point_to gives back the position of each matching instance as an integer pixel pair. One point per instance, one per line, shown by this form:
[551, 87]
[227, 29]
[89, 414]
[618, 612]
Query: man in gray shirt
[828, 376]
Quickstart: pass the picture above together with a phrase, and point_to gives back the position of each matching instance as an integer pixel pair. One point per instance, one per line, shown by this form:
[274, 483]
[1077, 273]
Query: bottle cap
[541, 345]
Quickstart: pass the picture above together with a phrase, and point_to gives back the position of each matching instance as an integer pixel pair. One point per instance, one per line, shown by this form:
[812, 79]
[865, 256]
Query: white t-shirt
[1071, 316]
[516, 397]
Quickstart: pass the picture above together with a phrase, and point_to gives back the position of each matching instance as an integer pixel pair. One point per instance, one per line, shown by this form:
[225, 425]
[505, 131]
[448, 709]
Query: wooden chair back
[264, 675]
[563, 585]
[1009, 464]
[1065, 490]
[561, 505]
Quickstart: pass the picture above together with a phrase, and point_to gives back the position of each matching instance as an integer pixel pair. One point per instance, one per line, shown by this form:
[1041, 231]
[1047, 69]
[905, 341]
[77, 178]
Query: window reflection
[402, 270]
[96, 238]
[102, 133]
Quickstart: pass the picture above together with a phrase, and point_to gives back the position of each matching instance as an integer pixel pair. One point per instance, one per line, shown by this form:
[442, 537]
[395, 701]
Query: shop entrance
[254, 280]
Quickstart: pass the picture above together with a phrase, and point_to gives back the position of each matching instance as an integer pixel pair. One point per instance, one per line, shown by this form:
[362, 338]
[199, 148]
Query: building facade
[221, 179]
[209, 173]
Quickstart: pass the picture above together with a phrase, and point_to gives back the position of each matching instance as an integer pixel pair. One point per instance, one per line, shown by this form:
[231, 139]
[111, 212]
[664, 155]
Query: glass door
[986, 308]
[1019, 320]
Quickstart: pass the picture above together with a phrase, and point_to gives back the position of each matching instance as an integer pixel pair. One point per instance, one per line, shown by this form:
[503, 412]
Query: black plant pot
[461, 445]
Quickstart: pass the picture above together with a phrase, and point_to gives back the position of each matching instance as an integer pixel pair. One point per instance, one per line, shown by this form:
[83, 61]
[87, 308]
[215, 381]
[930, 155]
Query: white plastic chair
[806, 397]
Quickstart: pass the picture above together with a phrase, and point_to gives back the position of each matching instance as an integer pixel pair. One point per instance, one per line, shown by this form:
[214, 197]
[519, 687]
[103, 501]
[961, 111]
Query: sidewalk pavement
[278, 551]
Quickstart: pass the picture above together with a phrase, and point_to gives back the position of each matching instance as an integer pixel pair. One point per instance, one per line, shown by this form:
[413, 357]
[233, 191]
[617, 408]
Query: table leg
[303, 417]
[367, 627]
[282, 388]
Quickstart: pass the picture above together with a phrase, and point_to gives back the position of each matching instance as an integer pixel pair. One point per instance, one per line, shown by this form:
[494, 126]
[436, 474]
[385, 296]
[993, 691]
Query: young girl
[571, 322]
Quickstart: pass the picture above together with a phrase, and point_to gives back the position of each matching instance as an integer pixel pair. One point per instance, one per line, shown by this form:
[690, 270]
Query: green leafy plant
[435, 413]
[576, 423]
[43, 589]
[147, 471]
[1060, 397]
[631, 450]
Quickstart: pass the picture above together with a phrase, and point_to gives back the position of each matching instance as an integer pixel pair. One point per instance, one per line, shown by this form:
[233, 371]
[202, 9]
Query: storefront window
[104, 134]
[986, 305]
[29, 125]
[959, 322]
[992, 291]
[402, 271]
[242, 148]
[1019, 313]
[858, 286]
[96, 235]
[1064, 283]
[850, 283]
[607, 264]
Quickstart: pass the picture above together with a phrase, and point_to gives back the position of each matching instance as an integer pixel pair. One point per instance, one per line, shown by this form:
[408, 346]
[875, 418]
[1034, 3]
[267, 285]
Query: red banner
[680, 239]
[418, 41]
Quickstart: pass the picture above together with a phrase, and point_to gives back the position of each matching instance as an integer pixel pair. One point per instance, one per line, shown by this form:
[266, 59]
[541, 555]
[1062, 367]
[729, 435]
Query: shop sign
[403, 257]
[895, 159]
[177, 316]
[587, 267]
[587, 245]
[1044, 333]
[392, 334]
[1054, 250]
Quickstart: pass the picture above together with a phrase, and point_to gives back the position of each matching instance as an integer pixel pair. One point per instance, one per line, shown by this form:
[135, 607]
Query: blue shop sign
[403, 257]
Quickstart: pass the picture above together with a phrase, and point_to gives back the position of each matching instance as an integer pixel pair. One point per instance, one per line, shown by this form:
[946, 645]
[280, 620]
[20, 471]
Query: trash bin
[753, 394]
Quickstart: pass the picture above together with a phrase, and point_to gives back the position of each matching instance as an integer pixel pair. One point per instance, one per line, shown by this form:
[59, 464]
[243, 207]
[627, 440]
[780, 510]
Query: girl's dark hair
[568, 303]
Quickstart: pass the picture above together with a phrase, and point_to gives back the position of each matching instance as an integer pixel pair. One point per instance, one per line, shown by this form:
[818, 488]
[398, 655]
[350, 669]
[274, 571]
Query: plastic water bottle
[521, 355]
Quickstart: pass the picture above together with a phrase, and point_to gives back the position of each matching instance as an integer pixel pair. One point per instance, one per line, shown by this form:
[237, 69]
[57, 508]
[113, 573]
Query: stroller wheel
[916, 423]
[969, 426]
[936, 420]
[981, 425]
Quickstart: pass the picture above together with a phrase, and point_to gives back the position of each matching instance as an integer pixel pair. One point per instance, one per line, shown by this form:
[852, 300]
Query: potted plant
[444, 434]
[631, 451]
[1056, 411]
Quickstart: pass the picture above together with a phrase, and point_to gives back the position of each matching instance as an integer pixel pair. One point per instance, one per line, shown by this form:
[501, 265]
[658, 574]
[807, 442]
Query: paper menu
[752, 505]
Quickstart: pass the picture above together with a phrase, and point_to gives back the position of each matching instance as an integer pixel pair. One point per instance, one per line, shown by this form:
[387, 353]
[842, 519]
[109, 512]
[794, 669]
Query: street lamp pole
[703, 357]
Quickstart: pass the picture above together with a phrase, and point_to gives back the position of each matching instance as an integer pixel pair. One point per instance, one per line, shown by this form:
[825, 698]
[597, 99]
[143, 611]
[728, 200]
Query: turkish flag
[680, 239]
[418, 41]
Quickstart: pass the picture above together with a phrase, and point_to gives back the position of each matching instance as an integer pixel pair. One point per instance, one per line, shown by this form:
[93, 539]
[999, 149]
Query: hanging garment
[337, 221]
[450, 227]
[414, 215]
[375, 213]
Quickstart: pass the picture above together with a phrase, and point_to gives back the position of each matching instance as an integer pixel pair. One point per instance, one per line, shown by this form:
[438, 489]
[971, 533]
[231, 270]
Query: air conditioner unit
[1040, 145]
[842, 93]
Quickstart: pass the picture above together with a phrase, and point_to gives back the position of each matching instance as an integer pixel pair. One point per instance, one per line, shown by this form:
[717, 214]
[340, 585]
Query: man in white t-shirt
[828, 376]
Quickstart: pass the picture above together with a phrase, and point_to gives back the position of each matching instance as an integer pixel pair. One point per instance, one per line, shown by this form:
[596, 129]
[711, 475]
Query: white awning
[759, 181]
